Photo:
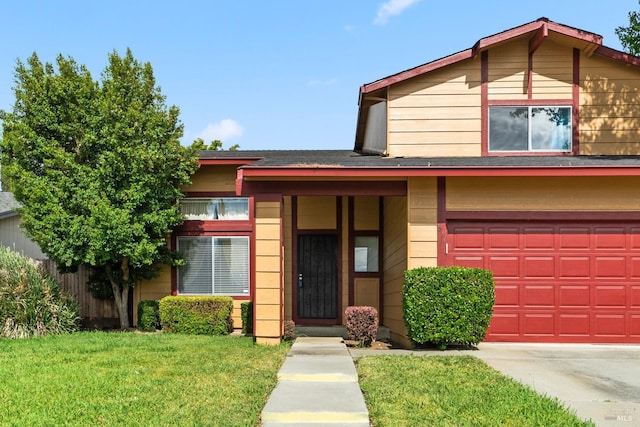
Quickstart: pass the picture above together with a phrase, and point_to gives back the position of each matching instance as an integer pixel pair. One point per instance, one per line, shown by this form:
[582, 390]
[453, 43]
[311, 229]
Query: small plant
[197, 315]
[148, 315]
[31, 302]
[289, 330]
[445, 305]
[246, 313]
[362, 324]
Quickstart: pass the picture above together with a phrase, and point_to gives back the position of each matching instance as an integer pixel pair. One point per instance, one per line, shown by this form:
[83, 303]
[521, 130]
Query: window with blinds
[214, 265]
[215, 209]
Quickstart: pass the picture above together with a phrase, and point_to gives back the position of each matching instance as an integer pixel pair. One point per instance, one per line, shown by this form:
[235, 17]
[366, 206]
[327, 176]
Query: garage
[556, 281]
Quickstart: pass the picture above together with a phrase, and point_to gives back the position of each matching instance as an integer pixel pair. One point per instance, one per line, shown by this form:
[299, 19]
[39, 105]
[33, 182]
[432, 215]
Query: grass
[118, 379]
[452, 391]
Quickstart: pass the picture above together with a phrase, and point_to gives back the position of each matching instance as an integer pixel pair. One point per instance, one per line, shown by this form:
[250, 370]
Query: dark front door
[317, 281]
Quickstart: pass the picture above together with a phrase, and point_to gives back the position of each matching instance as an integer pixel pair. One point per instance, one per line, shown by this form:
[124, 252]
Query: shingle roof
[8, 204]
[351, 159]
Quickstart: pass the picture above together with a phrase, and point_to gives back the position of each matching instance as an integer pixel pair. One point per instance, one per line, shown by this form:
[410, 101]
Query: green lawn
[452, 391]
[130, 379]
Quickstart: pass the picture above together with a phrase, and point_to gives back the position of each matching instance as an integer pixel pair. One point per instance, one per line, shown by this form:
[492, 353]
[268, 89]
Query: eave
[276, 173]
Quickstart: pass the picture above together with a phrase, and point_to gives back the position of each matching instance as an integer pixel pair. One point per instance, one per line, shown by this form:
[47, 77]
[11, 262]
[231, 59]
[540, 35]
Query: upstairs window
[218, 208]
[530, 129]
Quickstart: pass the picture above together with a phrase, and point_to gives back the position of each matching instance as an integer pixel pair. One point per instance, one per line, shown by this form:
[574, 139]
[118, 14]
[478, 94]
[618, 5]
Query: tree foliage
[630, 36]
[97, 166]
[215, 145]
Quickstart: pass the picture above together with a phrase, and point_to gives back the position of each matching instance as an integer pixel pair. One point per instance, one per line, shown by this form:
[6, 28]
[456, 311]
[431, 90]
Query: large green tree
[97, 166]
[630, 36]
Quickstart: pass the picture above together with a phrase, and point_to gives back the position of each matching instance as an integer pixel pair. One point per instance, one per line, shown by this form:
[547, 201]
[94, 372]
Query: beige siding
[366, 213]
[423, 113]
[12, 237]
[423, 221]
[552, 71]
[317, 213]
[609, 107]
[508, 64]
[214, 178]
[552, 76]
[343, 284]
[571, 194]
[394, 264]
[367, 292]
[269, 291]
[288, 261]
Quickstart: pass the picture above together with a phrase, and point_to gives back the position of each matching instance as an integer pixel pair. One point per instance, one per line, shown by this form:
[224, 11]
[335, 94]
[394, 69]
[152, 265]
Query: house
[519, 155]
[11, 234]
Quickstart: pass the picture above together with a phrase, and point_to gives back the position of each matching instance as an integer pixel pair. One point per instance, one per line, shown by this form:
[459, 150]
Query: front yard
[130, 379]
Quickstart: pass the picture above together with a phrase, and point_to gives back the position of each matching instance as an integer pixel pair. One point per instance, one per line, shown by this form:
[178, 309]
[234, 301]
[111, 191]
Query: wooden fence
[75, 284]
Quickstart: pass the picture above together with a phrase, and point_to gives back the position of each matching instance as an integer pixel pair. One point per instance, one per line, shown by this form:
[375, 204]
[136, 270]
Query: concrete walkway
[317, 386]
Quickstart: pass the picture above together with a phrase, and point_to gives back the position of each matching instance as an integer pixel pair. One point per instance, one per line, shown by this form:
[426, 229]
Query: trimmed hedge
[148, 315]
[246, 314]
[210, 315]
[362, 324]
[446, 305]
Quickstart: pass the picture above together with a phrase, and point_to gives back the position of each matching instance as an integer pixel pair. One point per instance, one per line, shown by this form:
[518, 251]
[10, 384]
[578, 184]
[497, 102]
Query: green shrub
[209, 315]
[362, 324]
[246, 313]
[445, 305]
[31, 302]
[148, 315]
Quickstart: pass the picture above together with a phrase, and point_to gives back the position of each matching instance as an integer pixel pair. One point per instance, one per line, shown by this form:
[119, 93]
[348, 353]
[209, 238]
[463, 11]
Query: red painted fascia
[422, 69]
[426, 170]
[607, 52]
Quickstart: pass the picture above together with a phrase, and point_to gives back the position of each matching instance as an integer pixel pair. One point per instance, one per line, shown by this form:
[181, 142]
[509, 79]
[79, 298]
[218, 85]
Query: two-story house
[518, 155]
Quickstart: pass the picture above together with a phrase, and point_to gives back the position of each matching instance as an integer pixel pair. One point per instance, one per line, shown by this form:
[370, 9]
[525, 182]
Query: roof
[343, 163]
[8, 204]
[537, 31]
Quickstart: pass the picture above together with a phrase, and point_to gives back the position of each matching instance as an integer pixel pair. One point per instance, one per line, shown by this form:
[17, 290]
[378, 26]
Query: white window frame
[246, 288]
[530, 148]
[214, 206]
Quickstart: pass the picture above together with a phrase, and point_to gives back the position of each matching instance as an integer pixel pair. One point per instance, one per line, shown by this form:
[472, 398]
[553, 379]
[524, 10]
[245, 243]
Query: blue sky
[280, 74]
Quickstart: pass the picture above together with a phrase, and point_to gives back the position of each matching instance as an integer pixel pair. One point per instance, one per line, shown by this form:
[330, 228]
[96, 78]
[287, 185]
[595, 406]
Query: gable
[441, 108]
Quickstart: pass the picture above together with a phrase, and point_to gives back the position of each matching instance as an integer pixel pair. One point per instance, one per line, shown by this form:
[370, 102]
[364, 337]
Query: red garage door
[556, 282]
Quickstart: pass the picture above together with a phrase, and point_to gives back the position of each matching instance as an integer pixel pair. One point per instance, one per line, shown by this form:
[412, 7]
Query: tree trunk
[121, 294]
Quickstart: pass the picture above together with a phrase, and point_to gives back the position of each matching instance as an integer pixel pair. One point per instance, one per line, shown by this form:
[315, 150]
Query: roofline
[8, 214]
[416, 171]
[235, 161]
[487, 42]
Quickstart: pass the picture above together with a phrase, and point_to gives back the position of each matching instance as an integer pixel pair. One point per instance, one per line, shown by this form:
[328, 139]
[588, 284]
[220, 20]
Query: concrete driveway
[599, 382]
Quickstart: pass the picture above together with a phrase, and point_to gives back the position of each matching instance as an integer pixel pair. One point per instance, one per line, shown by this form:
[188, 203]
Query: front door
[317, 281]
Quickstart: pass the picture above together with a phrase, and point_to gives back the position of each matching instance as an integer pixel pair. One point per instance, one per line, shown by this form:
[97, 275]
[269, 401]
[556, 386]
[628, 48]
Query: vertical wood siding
[394, 264]
[75, 284]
